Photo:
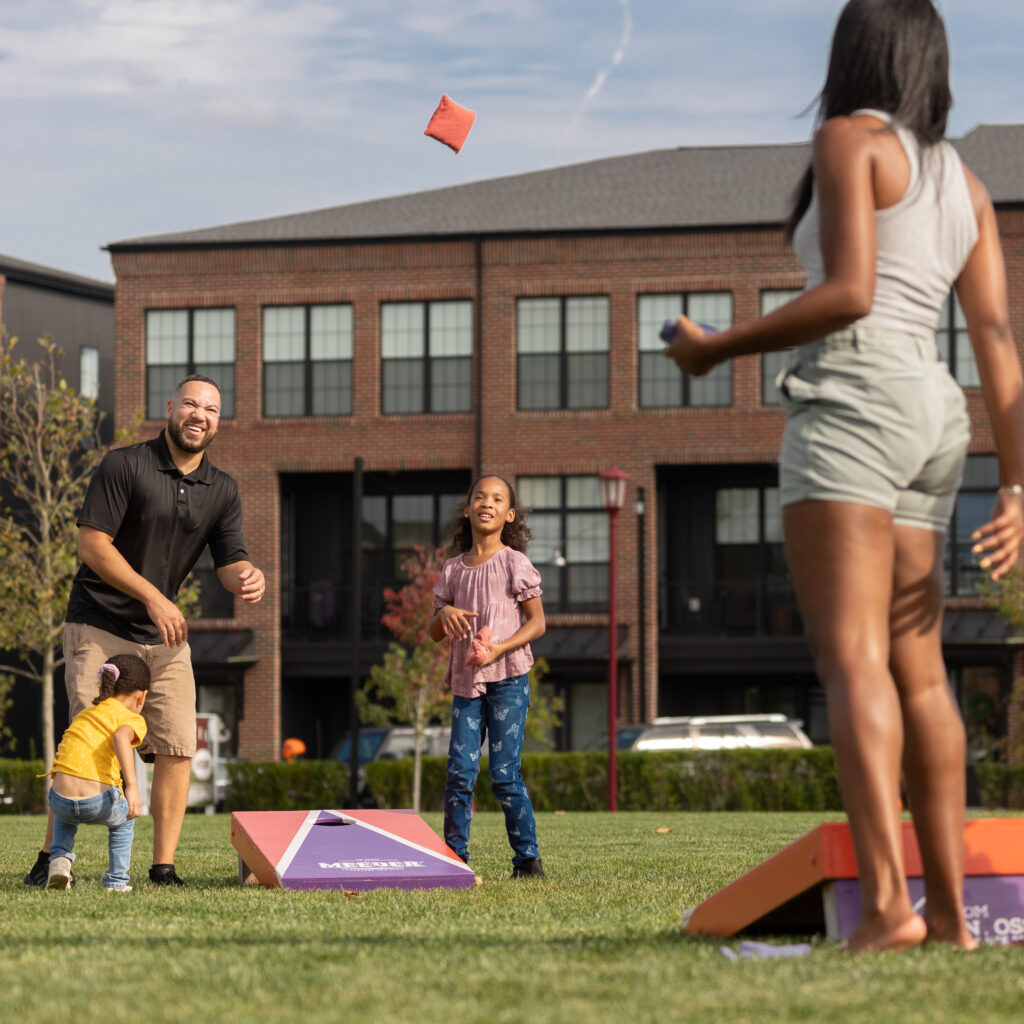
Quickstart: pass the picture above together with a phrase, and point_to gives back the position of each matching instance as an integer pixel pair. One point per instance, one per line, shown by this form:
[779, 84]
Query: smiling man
[149, 512]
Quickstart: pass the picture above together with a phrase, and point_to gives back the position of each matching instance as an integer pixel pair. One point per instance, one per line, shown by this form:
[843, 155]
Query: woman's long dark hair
[888, 55]
[515, 535]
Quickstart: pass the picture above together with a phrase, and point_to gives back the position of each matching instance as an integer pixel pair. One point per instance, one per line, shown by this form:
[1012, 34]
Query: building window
[973, 508]
[661, 384]
[772, 363]
[562, 352]
[180, 342]
[570, 540]
[955, 345]
[307, 360]
[89, 372]
[426, 353]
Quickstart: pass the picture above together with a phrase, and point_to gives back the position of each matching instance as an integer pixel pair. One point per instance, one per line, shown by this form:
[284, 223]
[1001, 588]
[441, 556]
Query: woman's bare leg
[935, 748]
[841, 558]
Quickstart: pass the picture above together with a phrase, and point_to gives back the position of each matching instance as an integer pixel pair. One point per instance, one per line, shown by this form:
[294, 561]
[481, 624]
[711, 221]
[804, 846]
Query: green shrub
[1001, 784]
[728, 780]
[286, 786]
[20, 791]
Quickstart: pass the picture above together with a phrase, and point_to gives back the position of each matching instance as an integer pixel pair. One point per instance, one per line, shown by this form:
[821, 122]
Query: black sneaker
[528, 869]
[164, 874]
[38, 874]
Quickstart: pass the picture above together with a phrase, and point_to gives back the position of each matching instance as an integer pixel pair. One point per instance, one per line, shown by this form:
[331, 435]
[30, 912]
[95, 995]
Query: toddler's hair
[515, 535]
[123, 673]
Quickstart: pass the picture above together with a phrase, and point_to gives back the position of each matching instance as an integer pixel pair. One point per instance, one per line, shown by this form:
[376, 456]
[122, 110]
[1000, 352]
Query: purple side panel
[993, 904]
[337, 856]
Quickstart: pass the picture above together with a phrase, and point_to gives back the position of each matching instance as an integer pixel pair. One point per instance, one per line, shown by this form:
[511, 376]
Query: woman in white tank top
[886, 220]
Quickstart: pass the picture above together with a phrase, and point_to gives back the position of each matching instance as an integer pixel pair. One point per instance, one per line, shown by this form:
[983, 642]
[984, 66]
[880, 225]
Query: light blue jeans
[109, 808]
[500, 715]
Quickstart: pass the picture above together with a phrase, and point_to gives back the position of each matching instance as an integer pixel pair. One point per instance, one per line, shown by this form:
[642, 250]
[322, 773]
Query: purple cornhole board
[353, 850]
[993, 906]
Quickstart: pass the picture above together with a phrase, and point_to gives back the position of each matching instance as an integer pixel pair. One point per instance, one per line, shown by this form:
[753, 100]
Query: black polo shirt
[160, 521]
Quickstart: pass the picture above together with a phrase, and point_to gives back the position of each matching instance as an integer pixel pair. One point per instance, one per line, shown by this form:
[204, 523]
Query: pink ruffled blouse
[494, 591]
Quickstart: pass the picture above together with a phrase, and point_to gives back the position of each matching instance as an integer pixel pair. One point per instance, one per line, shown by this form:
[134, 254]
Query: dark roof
[221, 647]
[57, 280]
[675, 189]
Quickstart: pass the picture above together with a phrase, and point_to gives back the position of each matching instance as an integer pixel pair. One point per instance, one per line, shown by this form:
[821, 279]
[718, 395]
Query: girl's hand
[999, 540]
[455, 622]
[691, 348]
[131, 795]
[493, 652]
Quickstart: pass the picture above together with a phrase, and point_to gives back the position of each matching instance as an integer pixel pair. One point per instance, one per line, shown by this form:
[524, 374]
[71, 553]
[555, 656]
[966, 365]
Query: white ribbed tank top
[924, 240]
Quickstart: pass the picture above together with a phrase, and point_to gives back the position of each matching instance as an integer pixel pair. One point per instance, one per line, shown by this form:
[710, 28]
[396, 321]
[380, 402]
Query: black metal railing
[764, 607]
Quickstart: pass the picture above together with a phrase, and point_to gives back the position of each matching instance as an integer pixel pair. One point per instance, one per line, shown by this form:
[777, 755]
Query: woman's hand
[999, 540]
[691, 348]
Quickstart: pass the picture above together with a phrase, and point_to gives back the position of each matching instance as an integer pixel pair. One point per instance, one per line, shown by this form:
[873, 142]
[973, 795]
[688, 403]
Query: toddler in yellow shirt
[94, 755]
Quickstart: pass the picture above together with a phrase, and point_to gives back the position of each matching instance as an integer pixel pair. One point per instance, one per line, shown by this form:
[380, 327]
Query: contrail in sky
[617, 58]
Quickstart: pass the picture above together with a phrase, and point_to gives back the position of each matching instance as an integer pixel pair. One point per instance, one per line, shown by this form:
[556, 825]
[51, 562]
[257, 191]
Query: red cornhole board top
[353, 850]
[811, 885]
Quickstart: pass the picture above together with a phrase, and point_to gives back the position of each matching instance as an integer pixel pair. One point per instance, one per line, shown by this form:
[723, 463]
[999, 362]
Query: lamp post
[613, 496]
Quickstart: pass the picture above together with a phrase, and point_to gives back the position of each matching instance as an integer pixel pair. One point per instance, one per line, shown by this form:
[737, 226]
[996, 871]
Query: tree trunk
[46, 678]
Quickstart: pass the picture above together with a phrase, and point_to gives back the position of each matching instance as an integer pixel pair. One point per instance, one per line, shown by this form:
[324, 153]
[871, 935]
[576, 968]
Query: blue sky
[132, 117]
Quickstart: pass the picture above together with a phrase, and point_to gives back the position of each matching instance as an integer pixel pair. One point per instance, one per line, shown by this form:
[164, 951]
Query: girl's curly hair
[123, 673]
[515, 535]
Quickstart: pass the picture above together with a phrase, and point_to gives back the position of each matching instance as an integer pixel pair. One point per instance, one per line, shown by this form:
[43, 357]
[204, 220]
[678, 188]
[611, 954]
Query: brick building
[510, 325]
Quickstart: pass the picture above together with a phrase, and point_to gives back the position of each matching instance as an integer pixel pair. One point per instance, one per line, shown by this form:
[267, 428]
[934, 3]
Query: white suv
[723, 732]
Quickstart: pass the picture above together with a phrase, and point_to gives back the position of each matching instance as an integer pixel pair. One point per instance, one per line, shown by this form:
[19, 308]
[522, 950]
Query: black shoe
[164, 874]
[39, 872]
[528, 869]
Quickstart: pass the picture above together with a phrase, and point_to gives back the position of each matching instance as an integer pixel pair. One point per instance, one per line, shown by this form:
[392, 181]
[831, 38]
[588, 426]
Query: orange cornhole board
[351, 850]
[812, 885]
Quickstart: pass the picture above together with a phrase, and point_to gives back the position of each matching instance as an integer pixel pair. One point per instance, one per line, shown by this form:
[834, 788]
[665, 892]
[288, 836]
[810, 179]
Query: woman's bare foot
[877, 936]
[956, 934]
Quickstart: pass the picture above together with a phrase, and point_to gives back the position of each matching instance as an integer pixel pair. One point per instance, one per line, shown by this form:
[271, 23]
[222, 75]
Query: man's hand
[167, 618]
[254, 585]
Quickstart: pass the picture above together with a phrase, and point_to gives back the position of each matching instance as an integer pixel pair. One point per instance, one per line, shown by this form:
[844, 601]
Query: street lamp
[613, 496]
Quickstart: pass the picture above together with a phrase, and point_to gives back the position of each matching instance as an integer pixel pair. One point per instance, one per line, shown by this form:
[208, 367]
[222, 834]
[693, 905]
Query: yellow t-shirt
[87, 748]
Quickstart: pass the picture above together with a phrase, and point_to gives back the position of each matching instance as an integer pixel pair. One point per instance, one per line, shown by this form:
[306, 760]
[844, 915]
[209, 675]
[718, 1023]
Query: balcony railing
[765, 607]
[322, 611]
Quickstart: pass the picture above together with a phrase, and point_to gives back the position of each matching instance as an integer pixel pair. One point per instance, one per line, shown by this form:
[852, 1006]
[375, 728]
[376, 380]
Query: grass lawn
[599, 940]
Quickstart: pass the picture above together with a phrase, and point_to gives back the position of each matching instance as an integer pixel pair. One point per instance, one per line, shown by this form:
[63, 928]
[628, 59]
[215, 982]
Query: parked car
[390, 743]
[723, 732]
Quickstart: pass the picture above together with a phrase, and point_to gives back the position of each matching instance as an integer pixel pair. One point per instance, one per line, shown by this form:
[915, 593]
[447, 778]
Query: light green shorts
[874, 417]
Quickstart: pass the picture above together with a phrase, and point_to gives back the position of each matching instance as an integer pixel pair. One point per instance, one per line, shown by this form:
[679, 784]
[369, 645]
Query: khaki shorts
[875, 418]
[170, 708]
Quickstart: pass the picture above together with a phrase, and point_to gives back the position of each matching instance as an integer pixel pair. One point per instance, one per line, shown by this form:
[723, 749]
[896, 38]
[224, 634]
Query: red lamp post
[613, 497]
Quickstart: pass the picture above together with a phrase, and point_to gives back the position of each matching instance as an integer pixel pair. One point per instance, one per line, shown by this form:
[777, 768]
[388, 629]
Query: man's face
[193, 416]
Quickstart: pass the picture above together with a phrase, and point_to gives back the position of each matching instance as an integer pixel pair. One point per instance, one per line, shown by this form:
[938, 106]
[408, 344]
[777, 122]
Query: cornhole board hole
[349, 850]
[812, 885]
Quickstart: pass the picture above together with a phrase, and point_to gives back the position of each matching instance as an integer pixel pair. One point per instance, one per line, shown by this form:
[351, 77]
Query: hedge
[284, 786]
[727, 780]
[1001, 784]
[20, 791]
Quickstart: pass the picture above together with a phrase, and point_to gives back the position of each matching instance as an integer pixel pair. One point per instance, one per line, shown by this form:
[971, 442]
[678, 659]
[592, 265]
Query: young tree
[49, 447]
[1006, 596]
[408, 686]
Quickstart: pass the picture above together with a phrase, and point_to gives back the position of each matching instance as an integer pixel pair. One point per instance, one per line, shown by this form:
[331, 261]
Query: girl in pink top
[487, 603]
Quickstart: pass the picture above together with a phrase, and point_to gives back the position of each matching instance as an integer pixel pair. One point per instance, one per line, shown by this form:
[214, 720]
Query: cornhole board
[349, 850]
[812, 885]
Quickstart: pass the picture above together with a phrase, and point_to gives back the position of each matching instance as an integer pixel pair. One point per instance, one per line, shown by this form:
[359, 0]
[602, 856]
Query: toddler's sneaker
[528, 869]
[59, 874]
[118, 888]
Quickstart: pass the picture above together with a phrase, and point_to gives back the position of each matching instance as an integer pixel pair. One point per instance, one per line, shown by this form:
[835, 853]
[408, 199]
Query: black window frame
[309, 364]
[563, 355]
[222, 373]
[980, 487]
[428, 361]
[687, 384]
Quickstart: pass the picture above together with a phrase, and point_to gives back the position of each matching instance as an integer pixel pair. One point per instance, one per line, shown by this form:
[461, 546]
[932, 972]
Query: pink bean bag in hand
[478, 652]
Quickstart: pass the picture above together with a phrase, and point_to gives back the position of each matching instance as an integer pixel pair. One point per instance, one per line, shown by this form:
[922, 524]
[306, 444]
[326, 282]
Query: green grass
[599, 940]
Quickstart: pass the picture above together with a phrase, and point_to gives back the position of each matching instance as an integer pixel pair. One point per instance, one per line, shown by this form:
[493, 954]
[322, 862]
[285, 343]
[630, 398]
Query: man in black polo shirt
[149, 511]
